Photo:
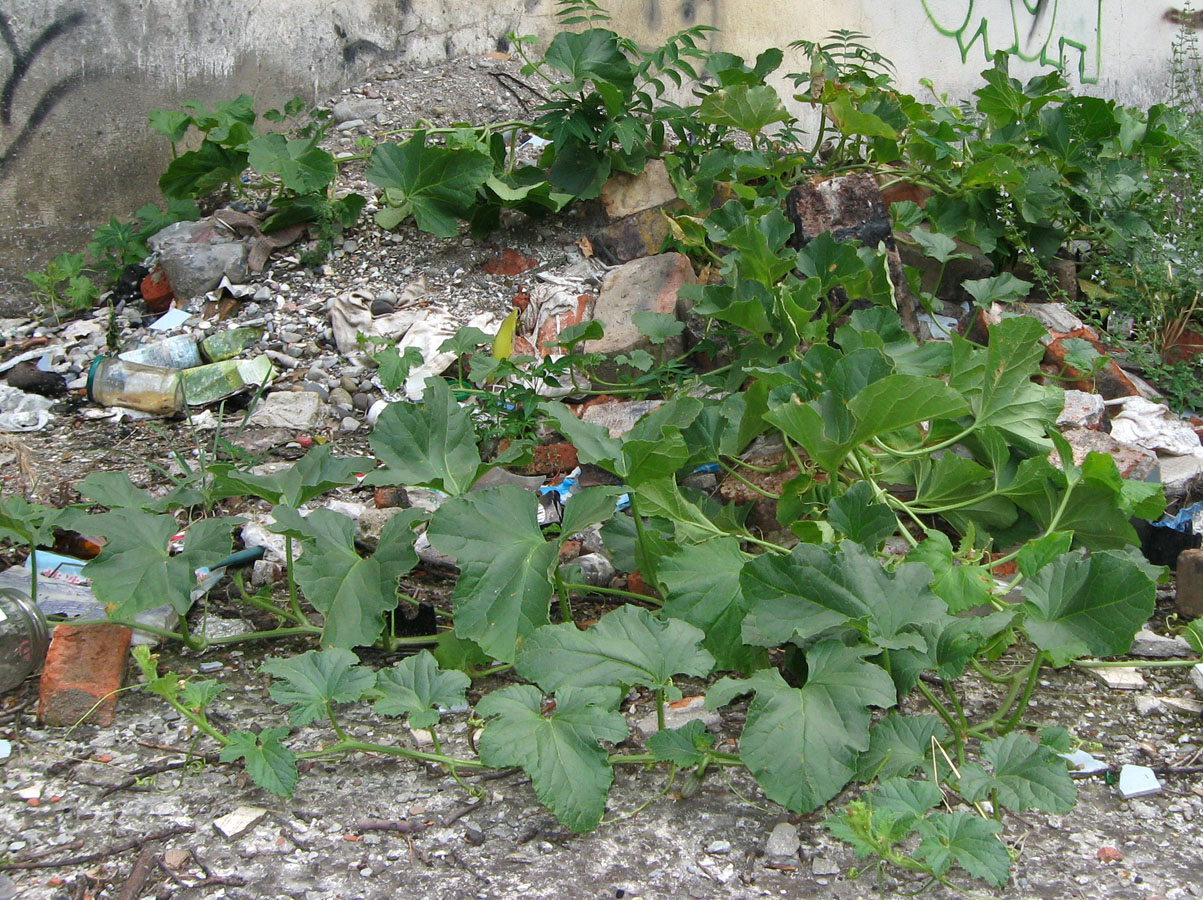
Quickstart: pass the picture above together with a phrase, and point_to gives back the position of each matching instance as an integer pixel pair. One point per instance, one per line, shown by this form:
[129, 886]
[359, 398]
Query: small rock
[783, 840]
[353, 108]
[1148, 706]
[1150, 645]
[1196, 676]
[235, 823]
[340, 397]
[624, 194]
[382, 307]
[718, 848]
[1143, 810]
[349, 424]
[619, 416]
[822, 866]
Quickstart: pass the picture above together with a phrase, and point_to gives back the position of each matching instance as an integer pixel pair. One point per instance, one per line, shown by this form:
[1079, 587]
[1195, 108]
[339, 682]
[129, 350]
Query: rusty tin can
[24, 638]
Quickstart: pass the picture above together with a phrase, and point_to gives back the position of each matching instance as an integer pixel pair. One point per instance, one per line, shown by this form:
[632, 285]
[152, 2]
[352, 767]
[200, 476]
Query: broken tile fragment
[1119, 678]
[1138, 781]
[235, 823]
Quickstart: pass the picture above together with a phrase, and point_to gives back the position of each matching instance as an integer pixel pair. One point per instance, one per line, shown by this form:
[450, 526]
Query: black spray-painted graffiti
[20, 64]
[1063, 33]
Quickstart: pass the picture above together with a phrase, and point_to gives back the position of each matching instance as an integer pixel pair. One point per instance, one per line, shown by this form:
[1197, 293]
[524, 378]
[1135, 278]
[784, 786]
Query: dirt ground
[128, 811]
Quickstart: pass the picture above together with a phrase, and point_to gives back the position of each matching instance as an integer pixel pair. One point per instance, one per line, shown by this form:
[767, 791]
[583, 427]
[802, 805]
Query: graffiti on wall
[1062, 33]
[19, 120]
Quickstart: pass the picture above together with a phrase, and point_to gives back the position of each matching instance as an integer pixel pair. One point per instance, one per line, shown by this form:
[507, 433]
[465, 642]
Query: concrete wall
[78, 76]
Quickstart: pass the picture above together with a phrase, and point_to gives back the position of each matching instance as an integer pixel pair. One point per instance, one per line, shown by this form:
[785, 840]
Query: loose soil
[102, 789]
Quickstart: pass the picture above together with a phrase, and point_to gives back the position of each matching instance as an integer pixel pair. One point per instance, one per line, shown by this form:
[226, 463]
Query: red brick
[1189, 595]
[509, 262]
[550, 330]
[388, 497]
[551, 459]
[84, 668]
[569, 550]
[156, 291]
[1111, 381]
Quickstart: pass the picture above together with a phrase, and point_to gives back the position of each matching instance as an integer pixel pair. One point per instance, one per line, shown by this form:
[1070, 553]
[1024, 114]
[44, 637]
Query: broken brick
[156, 290]
[1189, 595]
[509, 262]
[1111, 381]
[552, 459]
[84, 670]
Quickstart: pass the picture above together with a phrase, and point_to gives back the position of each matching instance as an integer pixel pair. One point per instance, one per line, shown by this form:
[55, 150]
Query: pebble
[349, 424]
[783, 840]
[717, 848]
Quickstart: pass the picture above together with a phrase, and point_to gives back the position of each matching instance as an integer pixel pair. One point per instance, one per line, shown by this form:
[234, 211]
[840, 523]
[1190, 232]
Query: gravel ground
[78, 806]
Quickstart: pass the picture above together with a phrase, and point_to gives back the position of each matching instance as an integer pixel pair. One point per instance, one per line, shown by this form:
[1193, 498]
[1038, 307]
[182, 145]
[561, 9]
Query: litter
[1154, 427]
[21, 411]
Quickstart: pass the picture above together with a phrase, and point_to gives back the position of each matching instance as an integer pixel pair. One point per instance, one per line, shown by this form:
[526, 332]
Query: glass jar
[24, 638]
[152, 389]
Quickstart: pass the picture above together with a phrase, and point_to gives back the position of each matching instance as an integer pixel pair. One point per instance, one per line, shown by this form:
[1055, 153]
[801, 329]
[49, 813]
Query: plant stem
[759, 490]
[617, 592]
[939, 707]
[987, 674]
[660, 709]
[293, 602]
[1135, 664]
[350, 744]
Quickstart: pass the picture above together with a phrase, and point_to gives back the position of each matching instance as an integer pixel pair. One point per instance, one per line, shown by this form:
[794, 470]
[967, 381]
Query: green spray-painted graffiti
[1052, 32]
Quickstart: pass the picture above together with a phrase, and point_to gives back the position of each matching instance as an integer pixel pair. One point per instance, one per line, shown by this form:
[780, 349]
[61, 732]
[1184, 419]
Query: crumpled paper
[423, 328]
[20, 411]
[1154, 427]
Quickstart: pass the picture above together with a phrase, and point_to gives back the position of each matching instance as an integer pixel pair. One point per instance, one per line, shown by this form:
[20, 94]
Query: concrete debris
[624, 194]
[619, 416]
[1083, 410]
[1135, 463]
[196, 256]
[647, 285]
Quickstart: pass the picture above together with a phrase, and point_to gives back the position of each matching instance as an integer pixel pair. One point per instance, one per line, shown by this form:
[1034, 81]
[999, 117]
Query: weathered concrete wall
[78, 76]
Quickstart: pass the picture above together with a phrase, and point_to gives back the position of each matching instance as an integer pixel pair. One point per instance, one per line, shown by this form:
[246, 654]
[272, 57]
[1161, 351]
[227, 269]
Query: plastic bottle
[24, 637]
[113, 381]
[178, 352]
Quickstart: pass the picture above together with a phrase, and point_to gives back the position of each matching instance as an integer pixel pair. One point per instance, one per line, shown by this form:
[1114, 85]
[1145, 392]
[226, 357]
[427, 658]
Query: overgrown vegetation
[949, 447]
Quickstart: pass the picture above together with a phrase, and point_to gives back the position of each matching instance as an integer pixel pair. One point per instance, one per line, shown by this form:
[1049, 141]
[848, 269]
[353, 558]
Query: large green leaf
[432, 444]
[202, 171]
[505, 562]
[270, 764]
[750, 108]
[797, 597]
[351, 591]
[861, 518]
[959, 584]
[436, 184]
[592, 55]
[301, 165]
[314, 474]
[627, 646]
[702, 581]
[997, 382]
[1025, 775]
[688, 745]
[898, 745]
[964, 839]
[311, 682]
[801, 744]
[664, 498]
[136, 571]
[416, 687]
[1079, 606]
[560, 752]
